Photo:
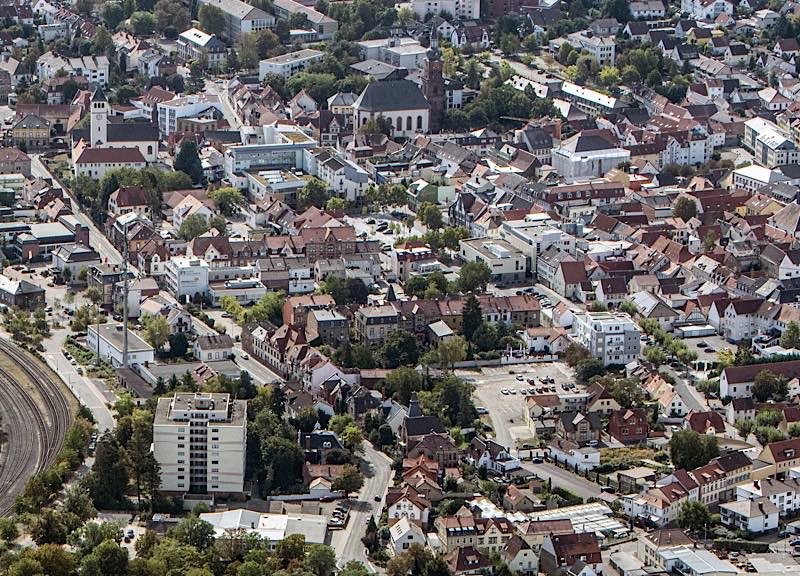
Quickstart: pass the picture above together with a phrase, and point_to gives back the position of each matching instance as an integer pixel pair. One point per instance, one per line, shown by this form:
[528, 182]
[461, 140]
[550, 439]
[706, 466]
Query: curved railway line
[34, 424]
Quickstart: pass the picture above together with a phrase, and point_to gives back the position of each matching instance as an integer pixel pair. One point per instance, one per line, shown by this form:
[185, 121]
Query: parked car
[504, 391]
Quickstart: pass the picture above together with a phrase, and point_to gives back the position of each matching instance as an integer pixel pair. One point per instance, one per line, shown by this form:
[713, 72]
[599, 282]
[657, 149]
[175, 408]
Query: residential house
[629, 425]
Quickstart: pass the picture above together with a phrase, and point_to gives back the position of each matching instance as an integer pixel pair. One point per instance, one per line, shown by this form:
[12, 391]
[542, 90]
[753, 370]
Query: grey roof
[391, 95]
[32, 121]
[124, 132]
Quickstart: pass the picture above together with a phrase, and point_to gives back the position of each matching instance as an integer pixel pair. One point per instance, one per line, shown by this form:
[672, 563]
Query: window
[419, 122]
[399, 124]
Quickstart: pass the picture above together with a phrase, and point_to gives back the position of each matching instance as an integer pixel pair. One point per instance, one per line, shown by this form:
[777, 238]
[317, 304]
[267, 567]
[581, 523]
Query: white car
[244, 356]
[592, 443]
[504, 391]
[512, 391]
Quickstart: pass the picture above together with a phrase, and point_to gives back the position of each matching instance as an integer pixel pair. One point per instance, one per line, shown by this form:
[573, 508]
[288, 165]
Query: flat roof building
[199, 441]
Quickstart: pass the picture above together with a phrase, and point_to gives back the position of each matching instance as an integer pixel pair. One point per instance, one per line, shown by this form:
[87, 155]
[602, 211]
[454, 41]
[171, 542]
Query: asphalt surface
[377, 470]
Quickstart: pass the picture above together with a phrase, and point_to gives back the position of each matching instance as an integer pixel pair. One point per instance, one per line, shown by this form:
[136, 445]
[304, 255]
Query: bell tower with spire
[433, 83]
[99, 119]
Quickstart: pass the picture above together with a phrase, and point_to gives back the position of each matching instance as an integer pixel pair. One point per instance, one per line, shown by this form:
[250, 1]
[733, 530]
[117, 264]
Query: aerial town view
[416, 288]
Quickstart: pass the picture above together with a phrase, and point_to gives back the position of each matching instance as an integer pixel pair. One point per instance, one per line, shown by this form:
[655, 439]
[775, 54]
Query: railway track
[35, 427]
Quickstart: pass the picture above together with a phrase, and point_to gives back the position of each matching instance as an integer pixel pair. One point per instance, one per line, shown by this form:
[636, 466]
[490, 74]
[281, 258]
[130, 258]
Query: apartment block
[199, 442]
[610, 336]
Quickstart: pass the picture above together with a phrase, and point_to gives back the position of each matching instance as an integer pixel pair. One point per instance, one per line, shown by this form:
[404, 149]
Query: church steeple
[99, 119]
[433, 83]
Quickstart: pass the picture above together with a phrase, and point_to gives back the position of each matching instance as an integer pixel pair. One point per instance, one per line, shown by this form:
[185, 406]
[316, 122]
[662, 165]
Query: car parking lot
[507, 410]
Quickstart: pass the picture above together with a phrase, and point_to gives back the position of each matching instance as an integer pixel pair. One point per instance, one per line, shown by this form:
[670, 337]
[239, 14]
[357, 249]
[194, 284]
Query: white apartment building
[752, 178]
[191, 105]
[346, 178]
[506, 263]
[194, 44]
[610, 336]
[601, 48]
[93, 68]
[534, 235]
[199, 442]
[287, 65]
[106, 340]
[186, 276]
[770, 145]
[240, 18]
[459, 9]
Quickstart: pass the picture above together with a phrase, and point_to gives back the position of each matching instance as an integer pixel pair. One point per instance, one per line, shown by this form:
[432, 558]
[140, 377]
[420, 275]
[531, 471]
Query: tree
[228, 199]
[212, 19]
[401, 383]
[609, 76]
[314, 193]
[655, 355]
[451, 351]
[54, 560]
[689, 450]
[400, 349]
[575, 354]
[171, 13]
[113, 14]
[142, 23]
[156, 330]
[108, 559]
[8, 530]
[587, 369]
[430, 215]
[472, 317]
[247, 51]
[334, 204]
[628, 307]
[618, 9]
[405, 16]
[474, 276]
[193, 226]
[349, 480]
[278, 400]
[188, 160]
[109, 477]
[352, 437]
[684, 208]
[178, 345]
[142, 464]
[694, 516]
[194, 532]
[791, 336]
[768, 385]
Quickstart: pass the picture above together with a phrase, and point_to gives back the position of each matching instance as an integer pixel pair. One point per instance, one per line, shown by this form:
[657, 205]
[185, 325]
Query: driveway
[562, 478]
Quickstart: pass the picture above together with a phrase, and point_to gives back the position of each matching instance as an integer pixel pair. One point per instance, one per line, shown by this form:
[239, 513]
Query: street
[694, 400]
[97, 239]
[260, 373]
[218, 88]
[90, 392]
[377, 469]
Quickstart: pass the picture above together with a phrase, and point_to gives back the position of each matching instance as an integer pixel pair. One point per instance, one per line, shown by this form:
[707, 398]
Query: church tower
[99, 120]
[433, 84]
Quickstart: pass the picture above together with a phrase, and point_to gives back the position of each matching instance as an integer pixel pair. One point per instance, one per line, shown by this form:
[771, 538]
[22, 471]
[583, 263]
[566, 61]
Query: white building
[199, 442]
[287, 65]
[601, 48]
[244, 290]
[706, 9]
[755, 516]
[270, 528]
[240, 18]
[346, 178]
[459, 9]
[506, 263]
[109, 345]
[534, 235]
[213, 347]
[770, 145]
[186, 107]
[610, 336]
[752, 178]
[403, 534]
[587, 155]
[186, 276]
[93, 68]
[194, 44]
[574, 456]
[400, 101]
[782, 495]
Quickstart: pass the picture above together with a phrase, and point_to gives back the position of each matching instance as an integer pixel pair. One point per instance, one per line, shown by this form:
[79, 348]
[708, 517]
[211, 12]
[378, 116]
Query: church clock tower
[99, 119]
[433, 84]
